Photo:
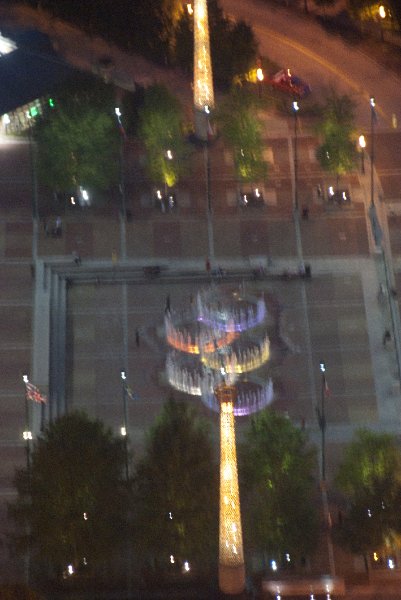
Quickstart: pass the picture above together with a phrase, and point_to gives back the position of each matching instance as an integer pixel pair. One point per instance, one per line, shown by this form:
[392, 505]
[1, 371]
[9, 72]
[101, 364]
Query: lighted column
[203, 76]
[231, 554]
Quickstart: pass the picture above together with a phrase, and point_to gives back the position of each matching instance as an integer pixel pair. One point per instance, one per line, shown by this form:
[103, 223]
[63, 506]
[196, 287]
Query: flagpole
[124, 428]
[27, 434]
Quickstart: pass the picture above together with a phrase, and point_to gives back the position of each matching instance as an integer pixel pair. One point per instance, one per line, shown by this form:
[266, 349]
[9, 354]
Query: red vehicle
[287, 82]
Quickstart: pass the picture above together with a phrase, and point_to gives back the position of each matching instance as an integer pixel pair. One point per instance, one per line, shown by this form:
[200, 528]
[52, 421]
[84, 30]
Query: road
[296, 40]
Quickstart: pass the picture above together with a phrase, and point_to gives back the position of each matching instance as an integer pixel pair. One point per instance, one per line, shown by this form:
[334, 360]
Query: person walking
[386, 337]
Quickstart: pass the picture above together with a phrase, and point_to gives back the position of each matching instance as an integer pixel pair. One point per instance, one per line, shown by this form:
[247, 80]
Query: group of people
[56, 231]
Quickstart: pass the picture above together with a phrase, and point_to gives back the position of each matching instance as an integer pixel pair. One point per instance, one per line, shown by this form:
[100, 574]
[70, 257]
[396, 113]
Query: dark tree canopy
[176, 489]
[370, 477]
[242, 130]
[278, 488]
[337, 152]
[73, 498]
[161, 131]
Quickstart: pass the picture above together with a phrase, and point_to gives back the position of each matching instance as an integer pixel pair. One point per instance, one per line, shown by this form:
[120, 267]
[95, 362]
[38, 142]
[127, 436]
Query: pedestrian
[386, 337]
[137, 338]
[77, 258]
[45, 226]
[208, 266]
[305, 213]
[167, 308]
[58, 230]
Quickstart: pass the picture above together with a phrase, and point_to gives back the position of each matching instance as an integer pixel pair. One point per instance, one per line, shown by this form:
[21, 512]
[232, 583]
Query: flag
[32, 393]
[327, 390]
[130, 393]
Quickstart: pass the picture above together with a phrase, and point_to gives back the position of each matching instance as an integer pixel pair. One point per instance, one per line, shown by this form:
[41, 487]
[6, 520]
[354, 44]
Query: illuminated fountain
[216, 348]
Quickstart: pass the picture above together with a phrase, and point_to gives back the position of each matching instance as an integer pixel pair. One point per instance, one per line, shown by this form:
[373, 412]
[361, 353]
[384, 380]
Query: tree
[72, 499]
[176, 490]
[78, 140]
[370, 478]
[337, 153]
[161, 131]
[277, 488]
[242, 131]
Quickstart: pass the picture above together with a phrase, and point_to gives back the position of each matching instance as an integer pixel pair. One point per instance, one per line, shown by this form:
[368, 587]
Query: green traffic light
[51, 102]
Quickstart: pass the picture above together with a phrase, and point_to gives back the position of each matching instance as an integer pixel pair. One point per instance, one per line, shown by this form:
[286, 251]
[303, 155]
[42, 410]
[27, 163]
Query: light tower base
[232, 579]
[201, 119]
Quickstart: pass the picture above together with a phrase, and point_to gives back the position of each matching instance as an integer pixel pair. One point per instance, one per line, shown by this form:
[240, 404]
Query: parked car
[285, 81]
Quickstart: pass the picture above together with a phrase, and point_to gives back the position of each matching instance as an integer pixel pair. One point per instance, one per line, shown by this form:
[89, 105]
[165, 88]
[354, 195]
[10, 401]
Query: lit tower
[203, 77]
[231, 555]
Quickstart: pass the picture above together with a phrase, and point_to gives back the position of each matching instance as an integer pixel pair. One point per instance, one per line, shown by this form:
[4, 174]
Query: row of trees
[79, 136]
[76, 507]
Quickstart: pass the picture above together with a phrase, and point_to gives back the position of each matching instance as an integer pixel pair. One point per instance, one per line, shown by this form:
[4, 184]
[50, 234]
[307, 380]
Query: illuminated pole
[231, 554]
[27, 436]
[35, 211]
[382, 16]
[321, 417]
[362, 146]
[203, 99]
[125, 421]
[260, 77]
[295, 108]
[123, 208]
[372, 149]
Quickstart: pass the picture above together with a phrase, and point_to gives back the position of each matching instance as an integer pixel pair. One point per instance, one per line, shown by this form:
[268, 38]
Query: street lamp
[295, 109]
[321, 418]
[362, 146]
[260, 77]
[27, 433]
[382, 15]
[123, 429]
[373, 119]
[123, 211]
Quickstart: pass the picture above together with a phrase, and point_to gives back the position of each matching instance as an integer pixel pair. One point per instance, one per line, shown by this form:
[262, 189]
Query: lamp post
[260, 77]
[382, 16]
[123, 209]
[362, 146]
[295, 109]
[34, 180]
[372, 148]
[321, 417]
[125, 420]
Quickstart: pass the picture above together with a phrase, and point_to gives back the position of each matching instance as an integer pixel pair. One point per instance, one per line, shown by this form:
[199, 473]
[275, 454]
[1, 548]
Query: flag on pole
[327, 390]
[33, 393]
[130, 393]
